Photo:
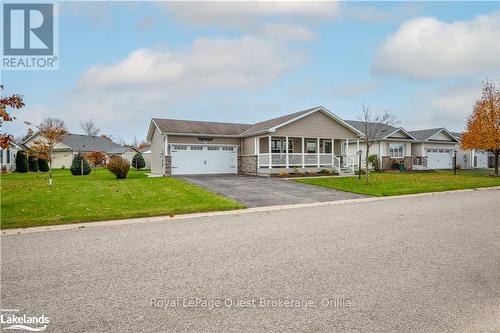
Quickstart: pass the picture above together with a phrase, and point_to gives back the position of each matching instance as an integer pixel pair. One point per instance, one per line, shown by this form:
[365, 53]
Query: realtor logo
[29, 36]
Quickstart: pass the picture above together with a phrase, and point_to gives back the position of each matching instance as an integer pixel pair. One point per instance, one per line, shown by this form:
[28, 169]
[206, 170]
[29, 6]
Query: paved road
[264, 191]
[419, 264]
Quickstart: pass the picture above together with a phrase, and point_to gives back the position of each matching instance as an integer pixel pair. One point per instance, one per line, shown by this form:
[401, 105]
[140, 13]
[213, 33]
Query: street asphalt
[407, 264]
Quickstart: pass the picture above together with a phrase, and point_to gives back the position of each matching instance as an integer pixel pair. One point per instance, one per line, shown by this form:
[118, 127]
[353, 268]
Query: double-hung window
[396, 150]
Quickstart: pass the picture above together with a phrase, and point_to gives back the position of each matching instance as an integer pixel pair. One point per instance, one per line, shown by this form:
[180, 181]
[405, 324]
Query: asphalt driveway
[265, 191]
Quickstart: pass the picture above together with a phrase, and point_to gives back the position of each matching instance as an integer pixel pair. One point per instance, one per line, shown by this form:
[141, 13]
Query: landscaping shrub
[138, 161]
[119, 167]
[32, 164]
[43, 165]
[21, 162]
[76, 166]
[374, 161]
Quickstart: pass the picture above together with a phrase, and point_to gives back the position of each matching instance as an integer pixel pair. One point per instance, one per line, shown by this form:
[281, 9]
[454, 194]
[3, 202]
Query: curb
[29, 230]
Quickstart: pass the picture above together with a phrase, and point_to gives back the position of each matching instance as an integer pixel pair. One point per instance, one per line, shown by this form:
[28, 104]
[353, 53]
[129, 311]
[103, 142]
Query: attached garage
[190, 159]
[439, 158]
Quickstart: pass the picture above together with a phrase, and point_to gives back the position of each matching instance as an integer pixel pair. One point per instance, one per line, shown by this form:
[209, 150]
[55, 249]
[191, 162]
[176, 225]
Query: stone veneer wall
[387, 162]
[247, 165]
[168, 165]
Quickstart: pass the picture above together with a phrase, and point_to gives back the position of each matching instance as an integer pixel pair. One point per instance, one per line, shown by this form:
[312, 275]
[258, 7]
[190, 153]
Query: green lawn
[27, 200]
[390, 183]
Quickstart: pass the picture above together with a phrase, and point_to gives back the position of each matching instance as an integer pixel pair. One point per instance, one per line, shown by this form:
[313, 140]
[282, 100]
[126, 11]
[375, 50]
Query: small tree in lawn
[483, 125]
[52, 130]
[138, 161]
[96, 158]
[374, 128]
[21, 162]
[80, 166]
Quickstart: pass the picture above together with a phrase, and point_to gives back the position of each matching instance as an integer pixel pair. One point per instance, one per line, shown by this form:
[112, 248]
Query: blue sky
[122, 63]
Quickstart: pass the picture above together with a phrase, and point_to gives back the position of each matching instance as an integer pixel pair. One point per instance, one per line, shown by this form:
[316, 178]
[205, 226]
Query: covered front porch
[285, 153]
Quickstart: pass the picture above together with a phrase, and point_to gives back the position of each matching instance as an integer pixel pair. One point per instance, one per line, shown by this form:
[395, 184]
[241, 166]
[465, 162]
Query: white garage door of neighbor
[439, 159]
[480, 159]
[203, 159]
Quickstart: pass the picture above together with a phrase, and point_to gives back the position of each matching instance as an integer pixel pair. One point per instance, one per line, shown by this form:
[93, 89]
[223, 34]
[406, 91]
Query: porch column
[269, 151]
[303, 161]
[317, 151]
[347, 146]
[357, 145]
[286, 152]
[257, 150]
[333, 152]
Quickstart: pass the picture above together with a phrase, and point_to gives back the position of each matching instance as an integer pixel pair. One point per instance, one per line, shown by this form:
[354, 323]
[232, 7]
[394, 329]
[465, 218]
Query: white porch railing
[298, 160]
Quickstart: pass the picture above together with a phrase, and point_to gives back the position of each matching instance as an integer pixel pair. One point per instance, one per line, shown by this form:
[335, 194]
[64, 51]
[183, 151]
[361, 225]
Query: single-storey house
[72, 144]
[308, 140]
[8, 157]
[436, 145]
[395, 144]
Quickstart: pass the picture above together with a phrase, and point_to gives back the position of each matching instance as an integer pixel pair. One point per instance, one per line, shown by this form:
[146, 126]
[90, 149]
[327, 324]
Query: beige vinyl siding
[316, 125]
[248, 146]
[157, 145]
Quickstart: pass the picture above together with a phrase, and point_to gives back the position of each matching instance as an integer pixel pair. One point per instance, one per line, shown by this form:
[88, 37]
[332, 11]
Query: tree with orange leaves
[96, 158]
[15, 102]
[483, 125]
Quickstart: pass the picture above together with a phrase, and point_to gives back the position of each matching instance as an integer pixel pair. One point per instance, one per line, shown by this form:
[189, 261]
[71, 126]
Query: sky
[123, 63]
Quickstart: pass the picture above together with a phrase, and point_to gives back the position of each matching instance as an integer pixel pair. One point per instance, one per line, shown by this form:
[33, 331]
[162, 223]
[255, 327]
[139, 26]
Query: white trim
[286, 152]
[269, 152]
[437, 141]
[397, 130]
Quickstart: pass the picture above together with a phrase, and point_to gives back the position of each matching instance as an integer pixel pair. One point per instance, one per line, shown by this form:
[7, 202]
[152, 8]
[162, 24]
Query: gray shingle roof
[85, 143]
[264, 125]
[359, 125]
[199, 127]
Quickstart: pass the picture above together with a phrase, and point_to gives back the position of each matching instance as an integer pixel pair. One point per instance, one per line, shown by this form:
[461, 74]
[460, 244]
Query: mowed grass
[27, 200]
[397, 183]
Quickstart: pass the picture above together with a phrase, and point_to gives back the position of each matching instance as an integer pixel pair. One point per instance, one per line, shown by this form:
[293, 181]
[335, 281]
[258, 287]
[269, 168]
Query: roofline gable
[318, 109]
[439, 131]
[400, 129]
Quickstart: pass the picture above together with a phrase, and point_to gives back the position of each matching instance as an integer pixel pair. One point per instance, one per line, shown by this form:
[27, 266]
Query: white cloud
[247, 62]
[447, 106]
[355, 89]
[425, 48]
[278, 20]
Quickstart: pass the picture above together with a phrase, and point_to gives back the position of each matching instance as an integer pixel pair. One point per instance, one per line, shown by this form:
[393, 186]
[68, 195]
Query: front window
[396, 150]
[311, 146]
[278, 146]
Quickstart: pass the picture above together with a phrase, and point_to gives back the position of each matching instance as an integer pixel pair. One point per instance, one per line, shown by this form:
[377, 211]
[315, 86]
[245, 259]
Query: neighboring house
[395, 144]
[471, 158]
[8, 157]
[73, 144]
[146, 153]
[308, 140]
[436, 146]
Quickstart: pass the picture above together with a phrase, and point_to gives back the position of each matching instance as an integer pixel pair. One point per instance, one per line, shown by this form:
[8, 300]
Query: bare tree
[52, 130]
[374, 128]
[90, 128]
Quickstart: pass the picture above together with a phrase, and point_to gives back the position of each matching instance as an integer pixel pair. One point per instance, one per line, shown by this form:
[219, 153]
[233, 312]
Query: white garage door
[439, 159]
[203, 159]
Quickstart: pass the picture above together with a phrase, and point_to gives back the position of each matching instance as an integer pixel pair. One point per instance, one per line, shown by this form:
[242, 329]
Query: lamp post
[359, 163]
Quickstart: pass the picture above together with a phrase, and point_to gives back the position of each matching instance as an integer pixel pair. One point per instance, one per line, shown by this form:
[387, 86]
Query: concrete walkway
[266, 191]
